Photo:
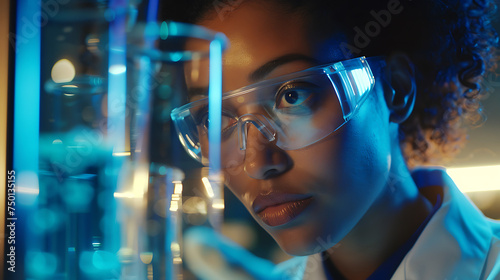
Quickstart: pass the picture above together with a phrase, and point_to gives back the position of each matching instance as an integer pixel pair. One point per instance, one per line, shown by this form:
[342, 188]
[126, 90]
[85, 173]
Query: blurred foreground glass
[166, 61]
[72, 227]
[108, 201]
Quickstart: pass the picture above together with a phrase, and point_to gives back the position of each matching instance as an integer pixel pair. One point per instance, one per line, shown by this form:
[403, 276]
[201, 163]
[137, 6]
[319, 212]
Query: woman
[323, 147]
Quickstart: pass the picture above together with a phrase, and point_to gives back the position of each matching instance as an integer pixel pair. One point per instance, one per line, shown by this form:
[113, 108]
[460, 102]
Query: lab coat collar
[453, 245]
[456, 240]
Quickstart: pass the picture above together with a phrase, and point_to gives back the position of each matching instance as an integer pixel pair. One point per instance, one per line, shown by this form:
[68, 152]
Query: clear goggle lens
[293, 111]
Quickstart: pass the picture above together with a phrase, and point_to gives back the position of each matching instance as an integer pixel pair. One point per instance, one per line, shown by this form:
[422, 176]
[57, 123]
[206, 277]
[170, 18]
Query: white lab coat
[459, 242]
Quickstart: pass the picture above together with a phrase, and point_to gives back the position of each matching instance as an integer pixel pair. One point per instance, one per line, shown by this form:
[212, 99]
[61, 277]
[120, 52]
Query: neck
[396, 214]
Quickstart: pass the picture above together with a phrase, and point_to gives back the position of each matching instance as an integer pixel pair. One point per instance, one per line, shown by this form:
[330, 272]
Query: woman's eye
[227, 121]
[203, 120]
[296, 97]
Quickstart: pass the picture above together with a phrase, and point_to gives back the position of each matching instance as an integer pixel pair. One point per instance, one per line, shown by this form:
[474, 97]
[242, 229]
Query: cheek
[352, 166]
[363, 165]
[364, 159]
[347, 160]
[238, 182]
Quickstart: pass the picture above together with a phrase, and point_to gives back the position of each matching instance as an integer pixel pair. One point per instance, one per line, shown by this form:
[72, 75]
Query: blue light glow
[41, 264]
[176, 56]
[215, 105]
[142, 103]
[362, 81]
[117, 81]
[46, 220]
[27, 95]
[104, 260]
[152, 11]
[174, 30]
[117, 69]
[98, 264]
[77, 195]
[164, 31]
[117, 85]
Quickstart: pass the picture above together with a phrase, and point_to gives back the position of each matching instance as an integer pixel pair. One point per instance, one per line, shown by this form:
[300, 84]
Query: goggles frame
[352, 81]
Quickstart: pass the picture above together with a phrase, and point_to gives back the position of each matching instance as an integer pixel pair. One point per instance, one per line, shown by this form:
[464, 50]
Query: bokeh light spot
[63, 71]
[46, 220]
[77, 195]
[104, 260]
[41, 264]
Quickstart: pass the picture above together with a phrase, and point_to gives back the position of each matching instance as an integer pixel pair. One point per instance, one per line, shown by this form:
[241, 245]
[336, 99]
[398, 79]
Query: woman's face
[307, 199]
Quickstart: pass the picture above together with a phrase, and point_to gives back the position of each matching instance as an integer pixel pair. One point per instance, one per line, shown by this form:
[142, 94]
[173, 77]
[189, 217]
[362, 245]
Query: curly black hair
[451, 42]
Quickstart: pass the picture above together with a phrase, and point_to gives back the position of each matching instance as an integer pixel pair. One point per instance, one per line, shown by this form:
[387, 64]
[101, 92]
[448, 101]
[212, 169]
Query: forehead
[260, 33]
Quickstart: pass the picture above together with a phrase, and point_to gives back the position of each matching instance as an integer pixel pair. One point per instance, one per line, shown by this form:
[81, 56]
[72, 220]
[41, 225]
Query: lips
[277, 209]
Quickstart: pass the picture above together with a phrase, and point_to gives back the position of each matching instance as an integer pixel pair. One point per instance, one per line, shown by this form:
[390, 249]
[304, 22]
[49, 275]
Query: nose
[263, 159]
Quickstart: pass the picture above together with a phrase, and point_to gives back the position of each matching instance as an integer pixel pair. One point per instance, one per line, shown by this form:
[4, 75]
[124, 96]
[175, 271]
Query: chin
[304, 241]
[310, 248]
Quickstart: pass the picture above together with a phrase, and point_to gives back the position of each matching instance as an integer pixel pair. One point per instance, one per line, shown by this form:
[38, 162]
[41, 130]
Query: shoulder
[459, 242]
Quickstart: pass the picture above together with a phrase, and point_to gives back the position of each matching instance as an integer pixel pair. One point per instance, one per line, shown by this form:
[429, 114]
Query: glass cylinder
[73, 221]
[166, 63]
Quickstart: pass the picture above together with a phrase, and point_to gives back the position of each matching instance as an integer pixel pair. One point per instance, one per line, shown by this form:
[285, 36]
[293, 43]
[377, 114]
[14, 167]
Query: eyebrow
[260, 73]
[268, 67]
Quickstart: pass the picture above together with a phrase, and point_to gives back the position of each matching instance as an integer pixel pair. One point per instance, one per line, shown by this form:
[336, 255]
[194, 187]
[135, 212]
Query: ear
[400, 88]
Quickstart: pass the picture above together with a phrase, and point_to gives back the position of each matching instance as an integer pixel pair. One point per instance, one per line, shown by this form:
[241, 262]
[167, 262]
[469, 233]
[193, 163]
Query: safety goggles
[292, 111]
